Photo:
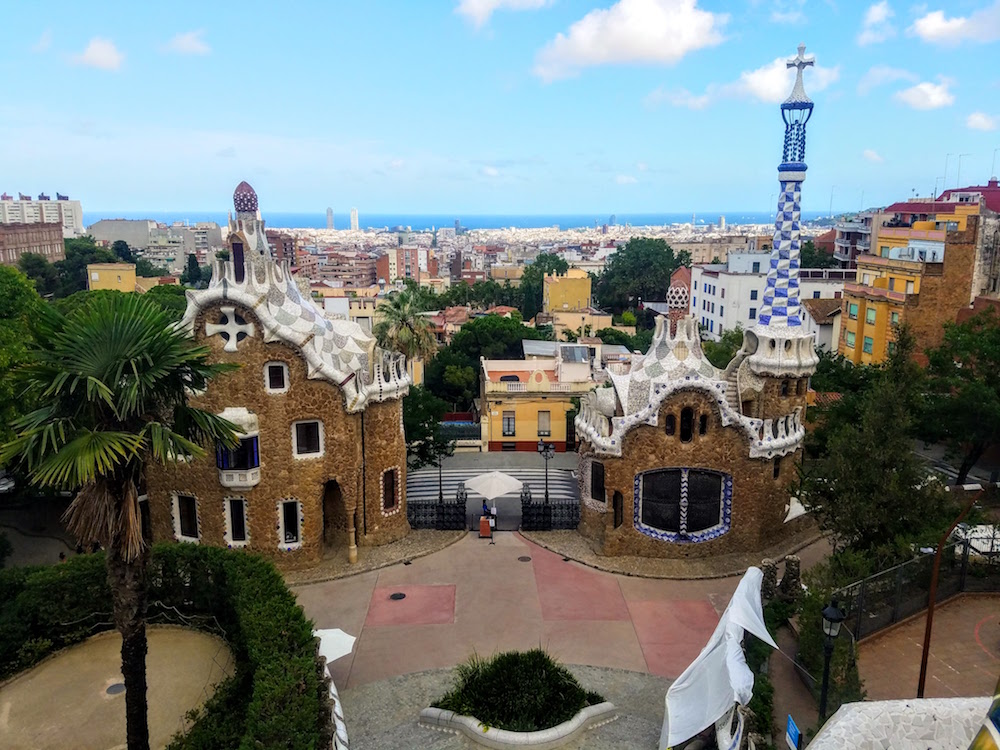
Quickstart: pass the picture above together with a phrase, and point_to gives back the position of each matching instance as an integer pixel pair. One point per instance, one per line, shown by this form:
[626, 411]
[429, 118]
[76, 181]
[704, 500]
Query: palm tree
[401, 327]
[113, 379]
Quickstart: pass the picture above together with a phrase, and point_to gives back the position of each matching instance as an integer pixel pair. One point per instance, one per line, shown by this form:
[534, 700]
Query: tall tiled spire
[781, 296]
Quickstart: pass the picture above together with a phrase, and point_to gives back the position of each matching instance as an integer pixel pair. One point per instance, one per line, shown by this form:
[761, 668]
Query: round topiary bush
[521, 691]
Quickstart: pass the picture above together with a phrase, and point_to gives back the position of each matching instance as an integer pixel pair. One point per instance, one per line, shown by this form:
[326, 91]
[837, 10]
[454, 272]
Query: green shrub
[522, 691]
[6, 549]
[277, 697]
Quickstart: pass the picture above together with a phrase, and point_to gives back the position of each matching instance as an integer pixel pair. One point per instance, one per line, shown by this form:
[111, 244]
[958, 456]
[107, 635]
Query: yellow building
[589, 320]
[571, 291]
[926, 252]
[523, 401]
[502, 274]
[120, 276]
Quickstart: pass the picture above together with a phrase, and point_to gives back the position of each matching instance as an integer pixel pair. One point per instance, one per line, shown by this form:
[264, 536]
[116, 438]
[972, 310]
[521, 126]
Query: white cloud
[625, 179]
[788, 11]
[677, 98]
[44, 42]
[937, 28]
[879, 75]
[631, 31]
[641, 166]
[189, 43]
[773, 82]
[396, 164]
[927, 95]
[100, 53]
[770, 83]
[489, 171]
[872, 155]
[981, 121]
[479, 11]
[877, 24]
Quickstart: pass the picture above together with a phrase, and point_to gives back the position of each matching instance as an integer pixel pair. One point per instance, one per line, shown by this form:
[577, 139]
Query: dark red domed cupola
[245, 199]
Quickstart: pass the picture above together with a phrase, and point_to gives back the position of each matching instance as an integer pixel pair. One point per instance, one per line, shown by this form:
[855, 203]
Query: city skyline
[493, 106]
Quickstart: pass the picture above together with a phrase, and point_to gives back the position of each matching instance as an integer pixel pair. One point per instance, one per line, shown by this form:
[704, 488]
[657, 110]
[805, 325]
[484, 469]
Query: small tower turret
[778, 346]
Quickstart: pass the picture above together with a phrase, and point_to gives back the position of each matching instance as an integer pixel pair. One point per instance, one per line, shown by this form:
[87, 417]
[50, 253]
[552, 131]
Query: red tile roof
[822, 310]
[990, 191]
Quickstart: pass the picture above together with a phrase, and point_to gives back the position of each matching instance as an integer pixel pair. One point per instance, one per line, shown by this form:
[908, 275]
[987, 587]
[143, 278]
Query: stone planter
[588, 718]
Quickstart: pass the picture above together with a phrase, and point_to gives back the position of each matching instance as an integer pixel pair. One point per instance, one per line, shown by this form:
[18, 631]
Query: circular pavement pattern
[78, 692]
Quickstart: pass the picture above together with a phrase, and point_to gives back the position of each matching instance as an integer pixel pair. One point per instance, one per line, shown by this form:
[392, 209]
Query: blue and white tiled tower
[783, 348]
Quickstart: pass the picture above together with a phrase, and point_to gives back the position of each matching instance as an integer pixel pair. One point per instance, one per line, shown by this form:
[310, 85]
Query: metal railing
[899, 592]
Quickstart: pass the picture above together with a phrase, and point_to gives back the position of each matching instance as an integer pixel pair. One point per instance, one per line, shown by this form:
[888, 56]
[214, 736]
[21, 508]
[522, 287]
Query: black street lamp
[440, 485]
[546, 451]
[833, 616]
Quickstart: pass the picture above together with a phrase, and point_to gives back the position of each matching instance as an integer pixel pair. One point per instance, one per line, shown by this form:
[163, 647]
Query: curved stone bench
[588, 718]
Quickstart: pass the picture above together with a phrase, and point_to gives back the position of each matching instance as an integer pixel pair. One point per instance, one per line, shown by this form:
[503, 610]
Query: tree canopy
[964, 388]
[812, 257]
[869, 490]
[453, 374]
[639, 269]
[399, 326]
[422, 414]
[720, 353]
[19, 304]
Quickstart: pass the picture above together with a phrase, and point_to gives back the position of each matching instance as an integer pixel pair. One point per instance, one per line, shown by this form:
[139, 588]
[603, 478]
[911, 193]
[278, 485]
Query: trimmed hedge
[278, 696]
[522, 691]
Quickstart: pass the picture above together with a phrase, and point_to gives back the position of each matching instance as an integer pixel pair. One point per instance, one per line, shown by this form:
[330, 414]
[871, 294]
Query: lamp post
[440, 483]
[546, 451]
[833, 616]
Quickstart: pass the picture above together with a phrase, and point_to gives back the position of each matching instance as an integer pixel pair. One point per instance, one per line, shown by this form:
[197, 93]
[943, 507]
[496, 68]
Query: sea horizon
[425, 222]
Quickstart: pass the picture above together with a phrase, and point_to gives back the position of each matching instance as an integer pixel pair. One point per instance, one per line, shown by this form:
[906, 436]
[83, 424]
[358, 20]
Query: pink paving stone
[568, 591]
[672, 632]
[423, 605]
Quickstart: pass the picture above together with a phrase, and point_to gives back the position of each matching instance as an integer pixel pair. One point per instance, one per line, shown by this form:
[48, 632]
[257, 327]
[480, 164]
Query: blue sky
[491, 106]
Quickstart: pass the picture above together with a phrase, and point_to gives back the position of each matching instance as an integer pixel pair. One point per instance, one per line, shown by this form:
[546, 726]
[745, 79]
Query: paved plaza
[964, 656]
[478, 597]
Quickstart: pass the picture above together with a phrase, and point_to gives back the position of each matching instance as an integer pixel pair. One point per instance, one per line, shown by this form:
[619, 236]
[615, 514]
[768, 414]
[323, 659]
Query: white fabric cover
[493, 484]
[334, 643]
[719, 677]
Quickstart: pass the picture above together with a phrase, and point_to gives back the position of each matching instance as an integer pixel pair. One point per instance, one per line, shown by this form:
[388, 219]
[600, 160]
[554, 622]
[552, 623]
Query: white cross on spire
[801, 62]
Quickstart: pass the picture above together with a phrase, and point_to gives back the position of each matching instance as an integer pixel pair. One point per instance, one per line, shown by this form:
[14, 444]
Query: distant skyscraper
[613, 221]
[354, 219]
[722, 223]
[458, 226]
[329, 218]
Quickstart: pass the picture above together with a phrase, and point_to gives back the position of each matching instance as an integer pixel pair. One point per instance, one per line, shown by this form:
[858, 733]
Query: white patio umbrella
[493, 484]
[334, 643]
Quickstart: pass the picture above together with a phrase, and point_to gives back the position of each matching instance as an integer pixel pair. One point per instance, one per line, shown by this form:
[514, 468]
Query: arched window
[687, 424]
[777, 467]
[702, 424]
[784, 387]
[803, 386]
[671, 424]
[618, 502]
[509, 379]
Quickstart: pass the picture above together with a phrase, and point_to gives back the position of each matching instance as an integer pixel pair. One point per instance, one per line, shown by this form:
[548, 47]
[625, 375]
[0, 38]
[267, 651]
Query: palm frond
[83, 459]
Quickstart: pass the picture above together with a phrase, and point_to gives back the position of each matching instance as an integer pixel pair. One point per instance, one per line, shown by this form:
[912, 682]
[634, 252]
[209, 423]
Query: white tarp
[719, 677]
[493, 484]
[334, 643]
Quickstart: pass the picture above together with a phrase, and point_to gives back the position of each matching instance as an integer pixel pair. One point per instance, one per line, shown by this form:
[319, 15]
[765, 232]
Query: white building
[60, 211]
[727, 295]
[354, 219]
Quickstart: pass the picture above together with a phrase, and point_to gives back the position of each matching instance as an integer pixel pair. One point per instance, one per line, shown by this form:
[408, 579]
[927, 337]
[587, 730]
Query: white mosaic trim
[280, 526]
[399, 492]
[768, 437]
[175, 512]
[928, 723]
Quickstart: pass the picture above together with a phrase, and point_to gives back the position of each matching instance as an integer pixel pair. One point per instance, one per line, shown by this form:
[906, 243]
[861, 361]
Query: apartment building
[62, 211]
[406, 262]
[45, 239]
[727, 295]
[929, 261]
[524, 401]
[566, 292]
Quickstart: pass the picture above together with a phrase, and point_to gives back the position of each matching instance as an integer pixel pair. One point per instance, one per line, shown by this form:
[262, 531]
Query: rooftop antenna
[993, 172]
[946, 158]
[958, 182]
[832, 188]
[936, 187]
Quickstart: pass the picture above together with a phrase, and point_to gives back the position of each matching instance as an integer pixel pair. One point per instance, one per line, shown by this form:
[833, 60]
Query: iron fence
[971, 563]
